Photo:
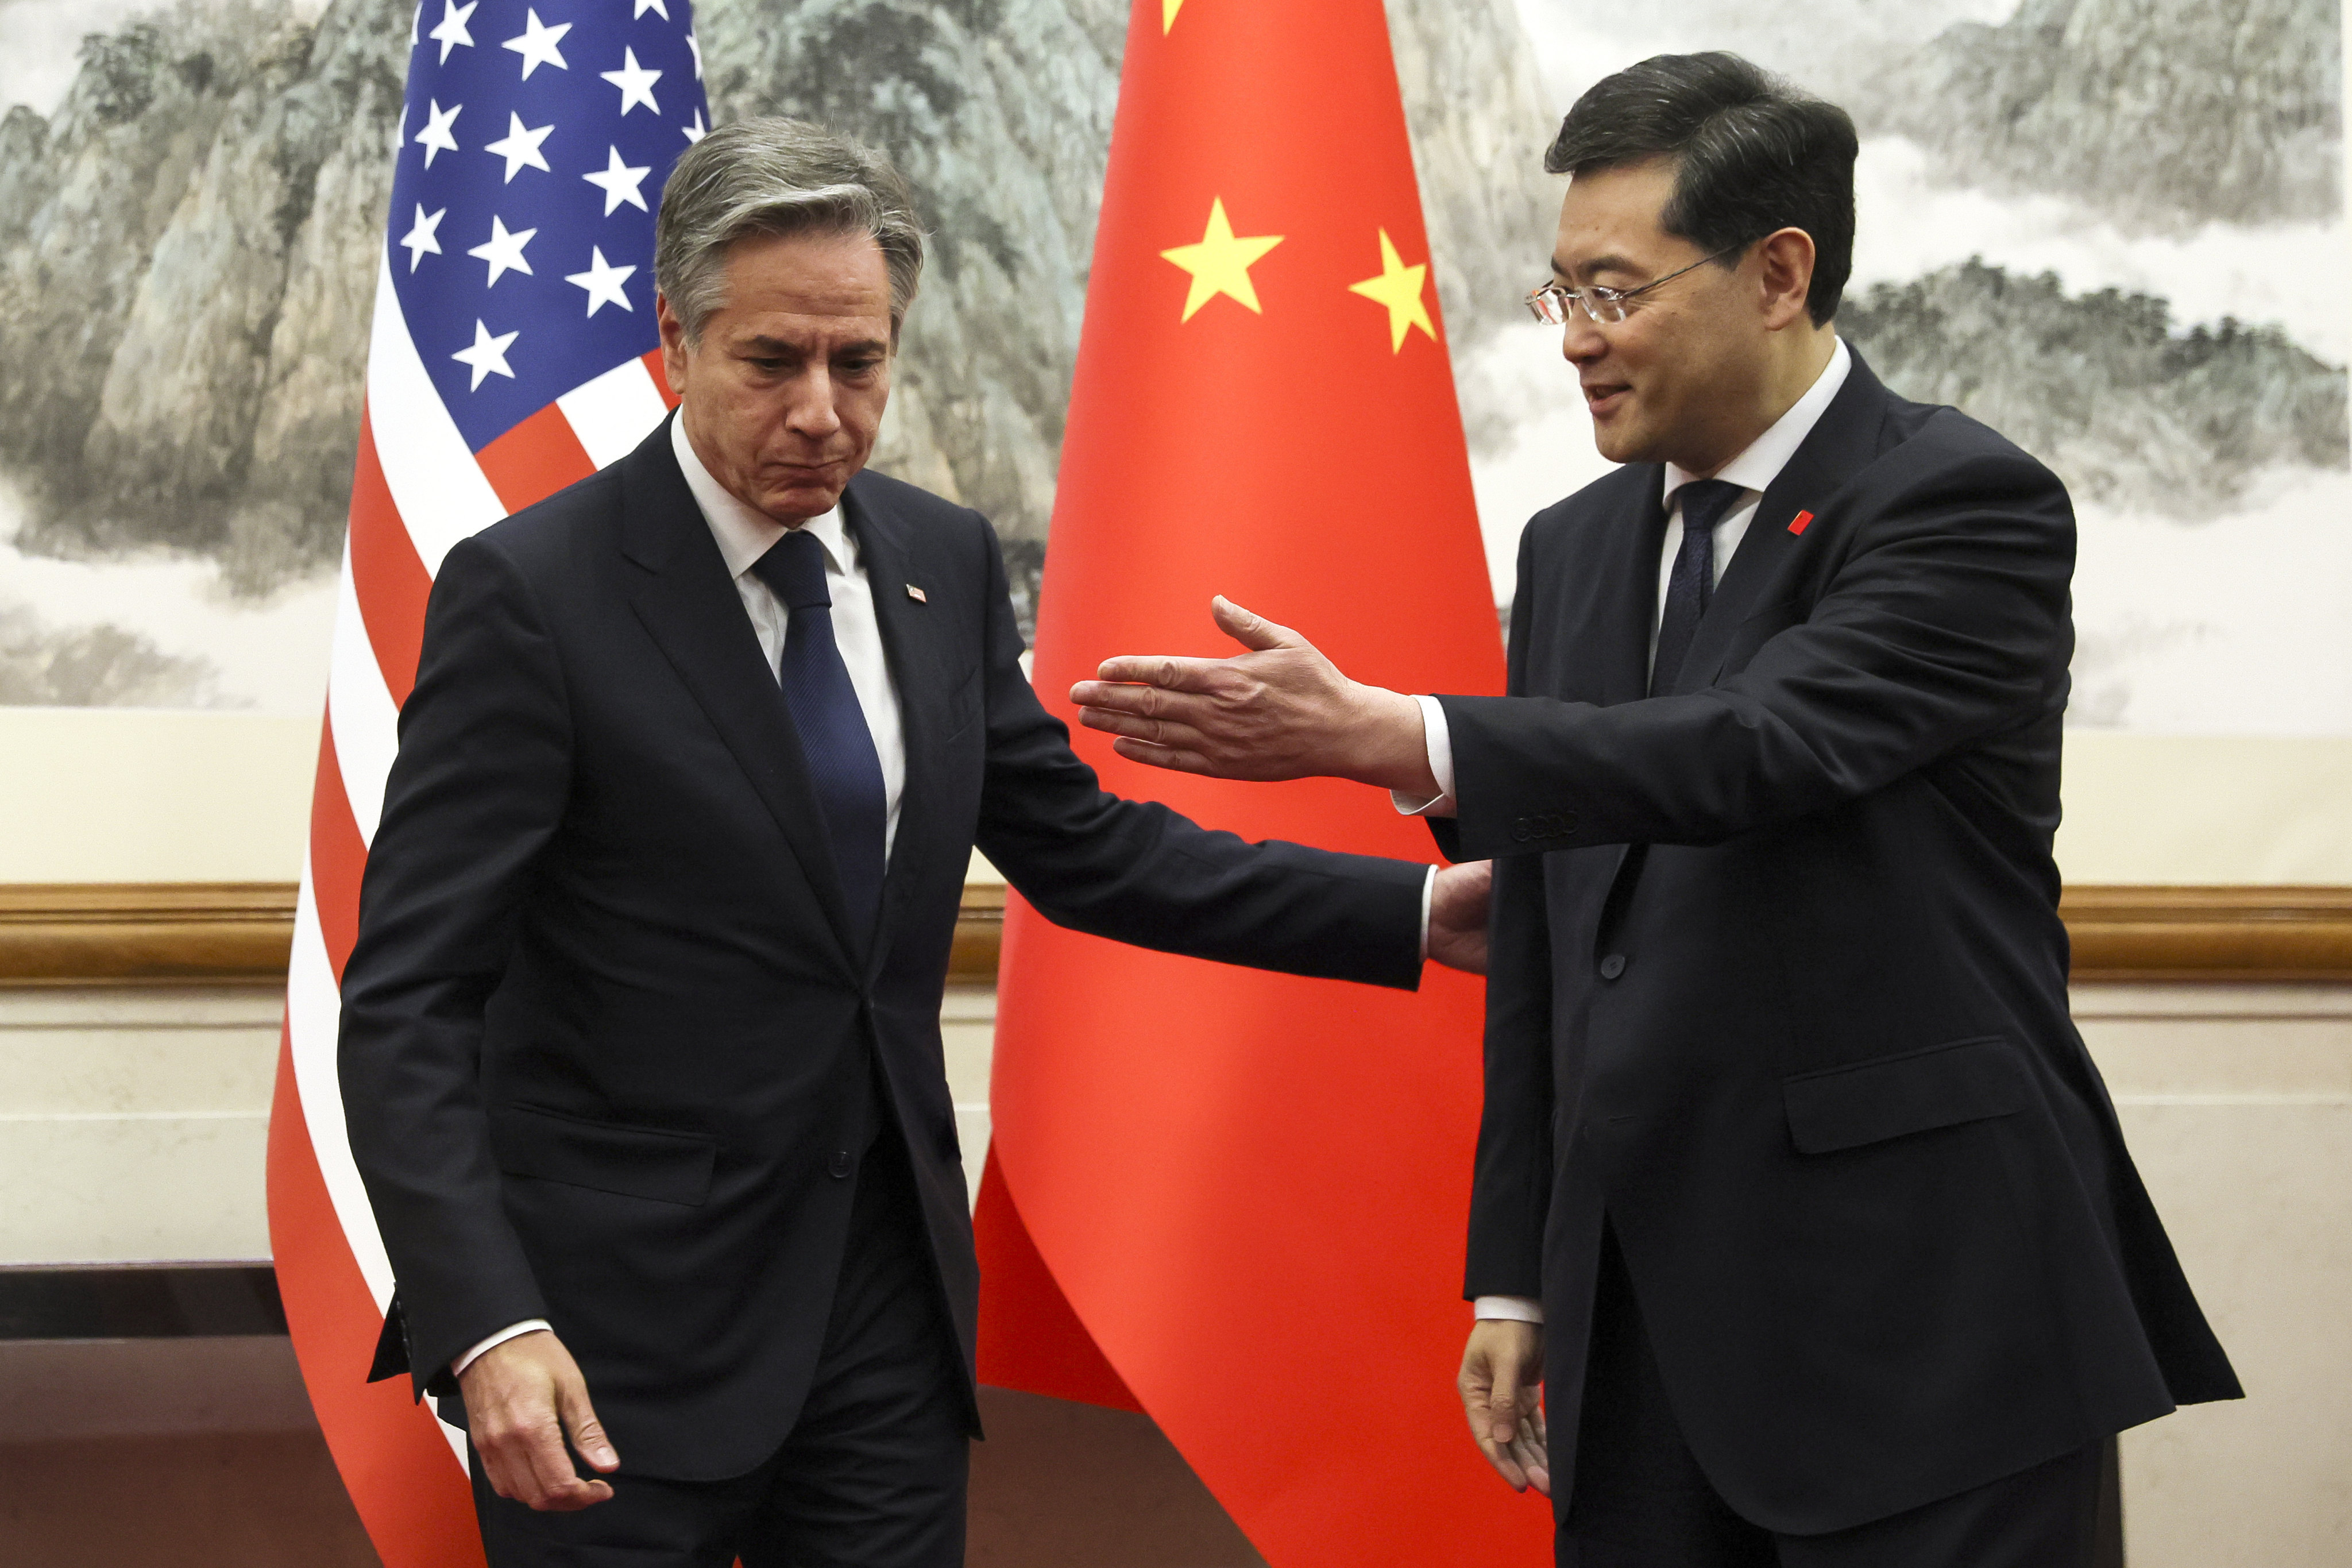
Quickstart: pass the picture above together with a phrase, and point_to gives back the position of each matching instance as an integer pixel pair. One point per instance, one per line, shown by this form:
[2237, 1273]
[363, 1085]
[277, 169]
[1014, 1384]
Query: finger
[1157, 669]
[1505, 1461]
[1156, 702]
[588, 1439]
[1151, 732]
[1131, 697]
[1168, 757]
[1477, 1404]
[1251, 629]
[1502, 1416]
[576, 1495]
[1533, 1448]
[557, 1487]
[1122, 696]
[1529, 1451]
[507, 1460]
[495, 1468]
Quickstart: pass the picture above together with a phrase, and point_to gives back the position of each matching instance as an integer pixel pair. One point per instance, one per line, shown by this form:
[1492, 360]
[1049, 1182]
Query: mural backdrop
[2113, 228]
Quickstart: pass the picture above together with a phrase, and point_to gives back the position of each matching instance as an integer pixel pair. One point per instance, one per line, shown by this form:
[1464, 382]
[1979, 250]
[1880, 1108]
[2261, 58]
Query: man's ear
[1785, 257]
[673, 344]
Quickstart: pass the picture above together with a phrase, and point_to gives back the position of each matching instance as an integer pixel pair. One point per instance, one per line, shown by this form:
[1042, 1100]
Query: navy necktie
[1691, 585]
[842, 763]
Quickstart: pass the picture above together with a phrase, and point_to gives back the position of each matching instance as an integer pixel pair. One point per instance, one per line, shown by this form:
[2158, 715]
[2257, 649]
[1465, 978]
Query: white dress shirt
[1753, 471]
[744, 535]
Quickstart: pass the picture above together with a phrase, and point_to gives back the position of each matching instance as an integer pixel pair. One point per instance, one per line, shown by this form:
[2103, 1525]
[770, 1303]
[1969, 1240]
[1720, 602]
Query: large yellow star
[1168, 9]
[1398, 287]
[1220, 264]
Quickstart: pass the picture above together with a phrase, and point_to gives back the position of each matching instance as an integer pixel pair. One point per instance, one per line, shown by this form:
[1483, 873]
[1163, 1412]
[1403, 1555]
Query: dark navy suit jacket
[608, 1052]
[1778, 984]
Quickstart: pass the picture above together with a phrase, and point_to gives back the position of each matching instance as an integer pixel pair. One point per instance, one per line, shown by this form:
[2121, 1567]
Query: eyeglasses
[1554, 302]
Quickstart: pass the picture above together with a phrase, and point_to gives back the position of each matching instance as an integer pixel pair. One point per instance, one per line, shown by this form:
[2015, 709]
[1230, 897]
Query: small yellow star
[1398, 287]
[1168, 9]
[1219, 263]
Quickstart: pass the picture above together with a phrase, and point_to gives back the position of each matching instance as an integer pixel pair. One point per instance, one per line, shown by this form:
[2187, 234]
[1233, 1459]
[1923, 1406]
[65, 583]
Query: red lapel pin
[1800, 521]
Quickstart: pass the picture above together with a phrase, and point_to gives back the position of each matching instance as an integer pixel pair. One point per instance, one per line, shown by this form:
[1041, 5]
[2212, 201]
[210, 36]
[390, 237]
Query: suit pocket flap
[1871, 1101]
[632, 1162]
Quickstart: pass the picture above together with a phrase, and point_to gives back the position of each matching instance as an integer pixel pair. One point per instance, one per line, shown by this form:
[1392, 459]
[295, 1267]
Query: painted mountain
[187, 250]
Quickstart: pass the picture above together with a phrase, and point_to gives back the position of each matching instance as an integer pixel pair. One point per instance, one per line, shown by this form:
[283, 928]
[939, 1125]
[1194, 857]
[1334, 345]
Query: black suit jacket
[608, 1052]
[1778, 982]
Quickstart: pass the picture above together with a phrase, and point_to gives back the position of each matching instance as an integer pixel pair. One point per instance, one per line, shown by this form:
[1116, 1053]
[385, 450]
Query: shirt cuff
[1440, 742]
[1428, 897]
[528, 1326]
[1508, 1309]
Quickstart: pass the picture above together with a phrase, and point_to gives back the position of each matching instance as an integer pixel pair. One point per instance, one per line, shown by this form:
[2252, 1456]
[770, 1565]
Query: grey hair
[777, 176]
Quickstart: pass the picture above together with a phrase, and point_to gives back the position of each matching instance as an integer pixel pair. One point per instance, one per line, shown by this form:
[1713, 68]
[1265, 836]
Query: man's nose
[812, 413]
[1582, 341]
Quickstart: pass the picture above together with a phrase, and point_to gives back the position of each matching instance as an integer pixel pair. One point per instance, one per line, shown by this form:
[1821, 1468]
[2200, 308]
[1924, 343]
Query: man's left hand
[1458, 915]
[1281, 710]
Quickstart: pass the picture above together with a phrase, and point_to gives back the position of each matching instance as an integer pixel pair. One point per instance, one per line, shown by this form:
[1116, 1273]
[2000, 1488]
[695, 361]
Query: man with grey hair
[640, 1037]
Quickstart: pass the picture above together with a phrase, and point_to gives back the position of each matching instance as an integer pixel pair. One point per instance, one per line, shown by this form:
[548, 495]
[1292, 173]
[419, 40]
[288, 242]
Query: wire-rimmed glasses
[1555, 303]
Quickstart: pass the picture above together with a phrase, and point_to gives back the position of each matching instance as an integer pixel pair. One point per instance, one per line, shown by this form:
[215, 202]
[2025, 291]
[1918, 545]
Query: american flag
[513, 352]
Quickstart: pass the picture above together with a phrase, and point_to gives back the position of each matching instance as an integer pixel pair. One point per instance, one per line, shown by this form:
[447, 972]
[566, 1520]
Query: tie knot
[793, 568]
[1704, 501]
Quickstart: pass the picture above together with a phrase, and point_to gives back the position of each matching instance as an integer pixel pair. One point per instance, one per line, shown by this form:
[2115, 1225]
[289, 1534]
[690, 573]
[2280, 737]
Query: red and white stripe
[417, 490]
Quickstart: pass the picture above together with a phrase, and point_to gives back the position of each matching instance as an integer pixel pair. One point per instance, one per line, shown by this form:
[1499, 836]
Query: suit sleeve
[1138, 872]
[1510, 1187]
[475, 795]
[1948, 622]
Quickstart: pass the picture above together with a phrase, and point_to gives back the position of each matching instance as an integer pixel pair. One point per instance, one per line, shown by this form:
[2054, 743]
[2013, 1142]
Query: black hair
[1752, 154]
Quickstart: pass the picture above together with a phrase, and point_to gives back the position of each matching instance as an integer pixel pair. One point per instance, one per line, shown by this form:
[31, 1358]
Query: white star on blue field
[534, 143]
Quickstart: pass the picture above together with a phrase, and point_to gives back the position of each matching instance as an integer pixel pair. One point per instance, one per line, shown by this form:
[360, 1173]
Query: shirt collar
[1762, 463]
[744, 532]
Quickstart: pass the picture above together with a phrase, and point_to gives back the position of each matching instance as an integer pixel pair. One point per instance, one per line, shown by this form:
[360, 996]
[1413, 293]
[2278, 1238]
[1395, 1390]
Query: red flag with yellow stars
[1237, 1200]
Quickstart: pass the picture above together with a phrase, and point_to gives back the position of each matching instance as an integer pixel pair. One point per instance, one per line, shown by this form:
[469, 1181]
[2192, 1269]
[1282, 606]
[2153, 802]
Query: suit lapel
[1841, 443]
[688, 605]
[1626, 614]
[1628, 605]
[911, 630]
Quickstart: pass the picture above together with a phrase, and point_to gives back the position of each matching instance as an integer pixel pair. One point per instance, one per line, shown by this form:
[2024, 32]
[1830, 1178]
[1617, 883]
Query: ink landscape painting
[2112, 228]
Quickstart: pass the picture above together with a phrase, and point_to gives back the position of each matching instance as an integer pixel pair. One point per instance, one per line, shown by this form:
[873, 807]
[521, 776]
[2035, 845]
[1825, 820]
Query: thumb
[1251, 629]
[1502, 1407]
[587, 1433]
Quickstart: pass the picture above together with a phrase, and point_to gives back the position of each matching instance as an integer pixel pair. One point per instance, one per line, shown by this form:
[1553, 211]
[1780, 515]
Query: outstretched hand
[1280, 710]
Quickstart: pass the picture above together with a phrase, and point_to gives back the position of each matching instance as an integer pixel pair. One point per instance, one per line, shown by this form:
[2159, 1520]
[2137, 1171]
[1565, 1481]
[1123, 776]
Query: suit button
[841, 1165]
[1521, 832]
[1612, 966]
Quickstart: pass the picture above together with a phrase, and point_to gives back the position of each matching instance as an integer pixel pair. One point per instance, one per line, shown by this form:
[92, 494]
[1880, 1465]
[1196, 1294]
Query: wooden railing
[239, 933]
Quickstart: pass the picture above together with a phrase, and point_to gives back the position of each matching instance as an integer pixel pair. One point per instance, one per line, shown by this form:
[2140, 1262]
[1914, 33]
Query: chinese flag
[1236, 1200]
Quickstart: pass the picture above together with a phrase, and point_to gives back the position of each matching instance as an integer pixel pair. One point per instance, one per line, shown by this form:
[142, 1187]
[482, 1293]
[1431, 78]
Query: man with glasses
[1795, 1184]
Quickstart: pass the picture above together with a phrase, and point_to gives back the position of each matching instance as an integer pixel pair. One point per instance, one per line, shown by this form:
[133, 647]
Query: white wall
[2237, 1101]
[132, 1124]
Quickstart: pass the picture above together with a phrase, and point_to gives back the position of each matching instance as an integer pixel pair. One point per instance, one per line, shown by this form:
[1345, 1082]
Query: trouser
[1639, 1499]
[873, 1473]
